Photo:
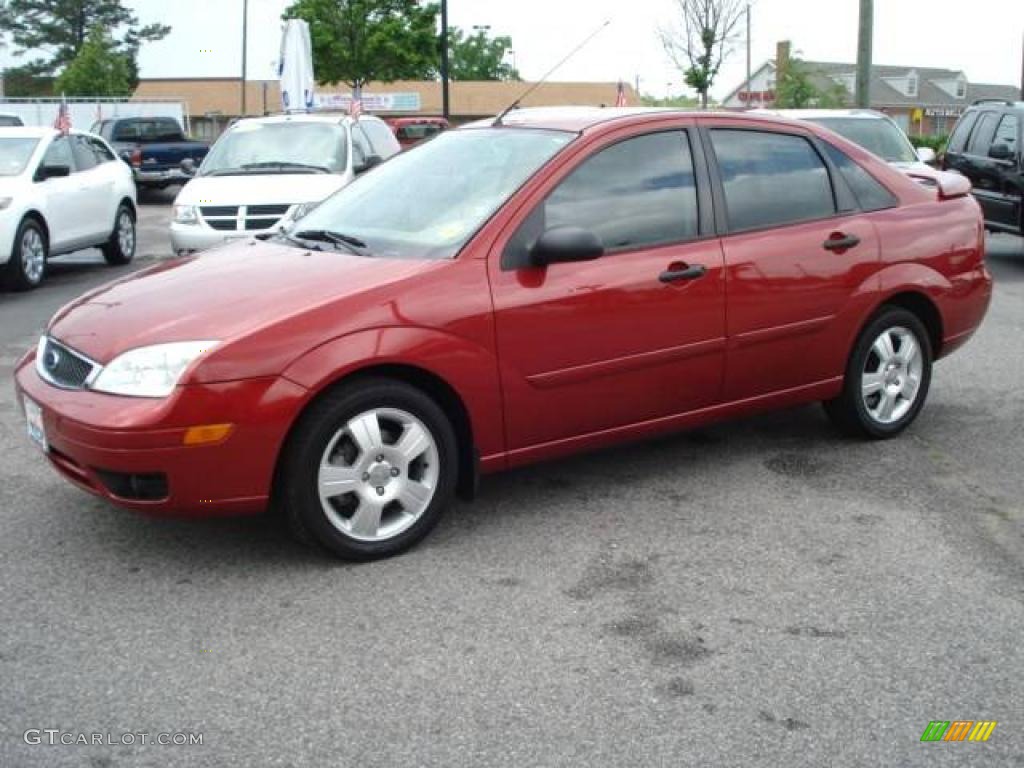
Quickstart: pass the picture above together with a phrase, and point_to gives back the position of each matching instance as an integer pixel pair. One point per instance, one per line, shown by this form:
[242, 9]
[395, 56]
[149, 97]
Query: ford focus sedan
[512, 291]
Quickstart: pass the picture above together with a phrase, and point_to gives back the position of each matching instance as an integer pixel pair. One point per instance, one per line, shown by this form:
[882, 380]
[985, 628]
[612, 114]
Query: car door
[976, 165]
[633, 336]
[94, 191]
[797, 254]
[63, 219]
[1003, 166]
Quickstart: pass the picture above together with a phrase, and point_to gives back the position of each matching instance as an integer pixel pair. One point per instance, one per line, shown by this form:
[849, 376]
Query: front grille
[243, 218]
[63, 366]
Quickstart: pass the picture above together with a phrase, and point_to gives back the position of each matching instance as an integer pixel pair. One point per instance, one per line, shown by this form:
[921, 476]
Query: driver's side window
[634, 194]
[59, 153]
[360, 146]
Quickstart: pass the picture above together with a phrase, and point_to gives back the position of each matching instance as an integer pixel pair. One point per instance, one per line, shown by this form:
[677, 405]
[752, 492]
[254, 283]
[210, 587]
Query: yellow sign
[917, 115]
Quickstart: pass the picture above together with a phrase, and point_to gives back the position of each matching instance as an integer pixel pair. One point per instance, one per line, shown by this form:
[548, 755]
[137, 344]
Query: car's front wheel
[369, 469]
[887, 377]
[120, 246]
[27, 265]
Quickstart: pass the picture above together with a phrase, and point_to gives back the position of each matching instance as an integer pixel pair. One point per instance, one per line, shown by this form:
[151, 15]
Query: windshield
[427, 203]
[876, 135]
[15, 154]
[287, 147]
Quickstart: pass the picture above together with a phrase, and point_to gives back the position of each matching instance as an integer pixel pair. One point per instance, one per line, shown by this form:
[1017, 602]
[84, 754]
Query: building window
[961, 89]
[912, 86]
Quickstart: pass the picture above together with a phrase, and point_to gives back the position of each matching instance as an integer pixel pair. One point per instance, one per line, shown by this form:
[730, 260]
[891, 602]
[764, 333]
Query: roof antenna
[535, 86]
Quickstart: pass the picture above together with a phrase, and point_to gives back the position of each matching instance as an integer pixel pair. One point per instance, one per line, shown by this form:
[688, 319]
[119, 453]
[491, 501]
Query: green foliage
[98, 69]
[21, 84]
[479, 57]
[938, 143]
[355, 41]
[676, 102]
[700, 39]
[796, 89]
[58, 30]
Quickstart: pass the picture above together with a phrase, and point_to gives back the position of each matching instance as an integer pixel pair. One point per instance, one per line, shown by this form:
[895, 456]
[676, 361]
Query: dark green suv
[985, 146]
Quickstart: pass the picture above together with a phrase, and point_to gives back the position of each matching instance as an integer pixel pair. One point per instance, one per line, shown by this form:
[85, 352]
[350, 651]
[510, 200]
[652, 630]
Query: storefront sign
[372, 102]
[943, 111]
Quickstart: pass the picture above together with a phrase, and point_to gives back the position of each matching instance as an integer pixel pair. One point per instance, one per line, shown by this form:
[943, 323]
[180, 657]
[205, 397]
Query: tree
[796, 89]
[98, 69]
[355, 41]
[479, 57]
[58, 30]
[675, 102]
[700, 39]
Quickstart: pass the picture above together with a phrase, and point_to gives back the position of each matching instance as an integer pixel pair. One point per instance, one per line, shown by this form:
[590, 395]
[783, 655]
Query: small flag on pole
[620, 96]
[355, 109]
[63, 121]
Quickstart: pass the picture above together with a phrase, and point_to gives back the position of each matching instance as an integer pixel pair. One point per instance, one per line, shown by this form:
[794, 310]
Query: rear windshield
[8, 121]
[879, 136]
[143, 131]
[419, 131]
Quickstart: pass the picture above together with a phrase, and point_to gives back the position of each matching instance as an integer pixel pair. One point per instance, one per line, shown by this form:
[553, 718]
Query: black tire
[314, 433]
[116, 252]
[23, 273]
[849, 412]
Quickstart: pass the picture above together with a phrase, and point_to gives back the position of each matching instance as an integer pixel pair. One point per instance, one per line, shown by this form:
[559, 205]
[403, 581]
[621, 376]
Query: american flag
[63, 121]
[620, 96]
[355, 109]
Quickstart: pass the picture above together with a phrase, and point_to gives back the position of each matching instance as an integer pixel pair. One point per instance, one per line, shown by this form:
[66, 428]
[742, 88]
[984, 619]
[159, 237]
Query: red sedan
[511, 292]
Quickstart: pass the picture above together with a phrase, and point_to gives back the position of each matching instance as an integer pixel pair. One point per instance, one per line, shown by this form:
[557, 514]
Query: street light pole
[444, 59]
[865, 32]
[245, 38]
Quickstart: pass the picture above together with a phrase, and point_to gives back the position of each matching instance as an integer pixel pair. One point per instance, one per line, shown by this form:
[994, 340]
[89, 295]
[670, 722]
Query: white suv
[264, 172]
[60, 194]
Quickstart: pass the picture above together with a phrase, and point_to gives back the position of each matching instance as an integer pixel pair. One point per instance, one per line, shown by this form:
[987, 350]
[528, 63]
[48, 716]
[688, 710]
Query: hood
[10, 185]
[223, 294]
[260, 189]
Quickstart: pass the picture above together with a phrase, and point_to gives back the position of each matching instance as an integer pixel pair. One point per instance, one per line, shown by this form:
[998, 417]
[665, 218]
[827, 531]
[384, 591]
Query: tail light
[137, 158]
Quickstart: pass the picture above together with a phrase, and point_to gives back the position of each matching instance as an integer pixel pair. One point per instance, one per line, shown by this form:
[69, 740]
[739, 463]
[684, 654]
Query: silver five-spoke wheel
[892, 375]
[378, 474]
[33, 255]
[126, 232]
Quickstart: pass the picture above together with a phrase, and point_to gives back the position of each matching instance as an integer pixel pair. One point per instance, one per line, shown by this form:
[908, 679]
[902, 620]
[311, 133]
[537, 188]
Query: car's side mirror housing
[926, 155]
[563, 244]
[1000, 152]
[188, 166]
[52, 172]
[370, 161]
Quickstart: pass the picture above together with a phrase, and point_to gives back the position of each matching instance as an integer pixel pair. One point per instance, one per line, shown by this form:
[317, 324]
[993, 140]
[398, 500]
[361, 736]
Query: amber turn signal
[207, 433]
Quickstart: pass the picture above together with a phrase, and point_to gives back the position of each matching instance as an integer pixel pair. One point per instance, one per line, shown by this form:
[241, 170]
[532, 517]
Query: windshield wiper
[350, 243]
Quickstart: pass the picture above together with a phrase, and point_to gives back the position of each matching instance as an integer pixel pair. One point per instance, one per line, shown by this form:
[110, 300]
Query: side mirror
[52, 172]
[370, 161]
[188, 166]
[926, 155]
[562, 244]
[1000, 152]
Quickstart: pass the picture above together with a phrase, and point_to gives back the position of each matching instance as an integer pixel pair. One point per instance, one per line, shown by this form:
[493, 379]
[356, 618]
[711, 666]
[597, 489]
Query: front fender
[470, 369]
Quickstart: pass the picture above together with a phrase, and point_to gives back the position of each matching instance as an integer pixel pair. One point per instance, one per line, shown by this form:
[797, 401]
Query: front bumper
[97, 440]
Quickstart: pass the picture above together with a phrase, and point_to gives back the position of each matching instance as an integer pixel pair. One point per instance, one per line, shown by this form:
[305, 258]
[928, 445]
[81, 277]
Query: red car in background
[593, 276]
[412, 130]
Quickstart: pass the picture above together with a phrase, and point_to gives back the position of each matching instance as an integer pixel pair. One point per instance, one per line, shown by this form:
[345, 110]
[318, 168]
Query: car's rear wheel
[887, 377]
[120, 248]
[27, 265]
[369, 469]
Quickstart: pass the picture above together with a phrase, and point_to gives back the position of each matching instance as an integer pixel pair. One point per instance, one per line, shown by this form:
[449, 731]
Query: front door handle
[839, 241]
[683, 273]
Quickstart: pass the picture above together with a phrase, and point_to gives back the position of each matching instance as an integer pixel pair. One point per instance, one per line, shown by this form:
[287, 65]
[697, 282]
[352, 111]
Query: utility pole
[865, 30]
[444, 59]
[245, 46]
[1022, 68]
[748, 53]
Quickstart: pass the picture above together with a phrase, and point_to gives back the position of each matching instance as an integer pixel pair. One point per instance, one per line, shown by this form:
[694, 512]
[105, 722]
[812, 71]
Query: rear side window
[100, 150]
[870, 194]
[1006, 132]
[981, 138]
[958, 140]
[771, 178]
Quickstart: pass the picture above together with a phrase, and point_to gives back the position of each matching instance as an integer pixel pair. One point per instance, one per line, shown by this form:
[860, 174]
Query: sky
[981, 37]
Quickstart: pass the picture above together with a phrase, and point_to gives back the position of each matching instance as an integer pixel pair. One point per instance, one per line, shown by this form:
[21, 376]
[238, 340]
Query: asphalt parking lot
[760, 593]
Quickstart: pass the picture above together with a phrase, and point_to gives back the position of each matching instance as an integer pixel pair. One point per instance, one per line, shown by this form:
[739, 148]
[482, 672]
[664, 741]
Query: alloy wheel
[891, 379]
[126, 233]
[33, 255]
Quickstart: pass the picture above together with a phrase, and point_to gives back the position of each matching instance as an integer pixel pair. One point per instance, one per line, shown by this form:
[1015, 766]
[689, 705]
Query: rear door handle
[838, 241]
[686, 273]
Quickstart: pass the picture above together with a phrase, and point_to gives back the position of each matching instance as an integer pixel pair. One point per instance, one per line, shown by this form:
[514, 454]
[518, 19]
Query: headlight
[186, 214]
[5, 201]
[150, 371]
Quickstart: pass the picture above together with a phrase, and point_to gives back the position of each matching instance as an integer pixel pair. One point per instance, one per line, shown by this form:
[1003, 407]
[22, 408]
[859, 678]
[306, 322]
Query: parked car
[410, 131]
[10, 121]
[985, 146]
[509, 292]
[59, 194]
[154, 147]
[266, 171]
[875, 131]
